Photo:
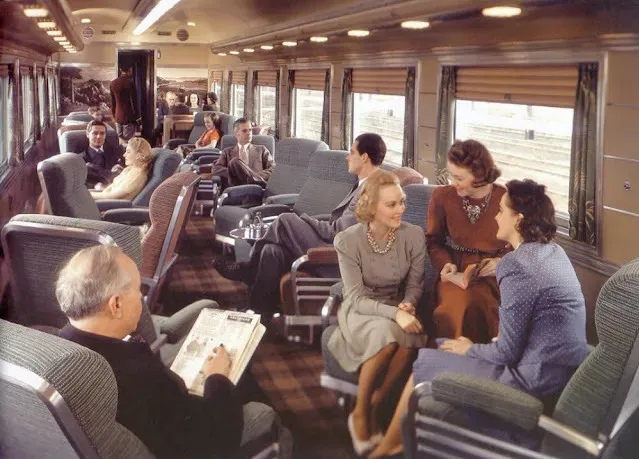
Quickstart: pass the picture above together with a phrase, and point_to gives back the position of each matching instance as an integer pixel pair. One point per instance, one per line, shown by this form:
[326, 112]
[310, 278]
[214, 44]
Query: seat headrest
[408, 176]
[64, 173]
[331, 165]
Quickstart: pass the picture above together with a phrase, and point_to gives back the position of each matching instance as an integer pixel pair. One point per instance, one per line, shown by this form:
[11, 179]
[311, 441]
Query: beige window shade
[267, 78]
[238, 77]
[310, 79]
[216, 75]
[380, 81]
[546, 85]
[26, 70]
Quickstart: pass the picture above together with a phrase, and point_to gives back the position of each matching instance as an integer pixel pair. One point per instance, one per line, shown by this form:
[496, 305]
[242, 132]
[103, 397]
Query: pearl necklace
[375, 247]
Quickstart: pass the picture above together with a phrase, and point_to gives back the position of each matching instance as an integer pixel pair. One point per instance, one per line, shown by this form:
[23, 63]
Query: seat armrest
[489, 396]
[206, 159]
[172, 144]
[135, 216]
[322, 217]
[234, 195]
[322, 256]
[269, 210]
[186, 145]
[179, 324]
[288, 199]
[334, 299]
[107, 204]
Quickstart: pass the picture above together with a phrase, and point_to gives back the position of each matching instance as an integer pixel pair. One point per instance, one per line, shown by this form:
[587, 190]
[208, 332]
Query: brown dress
[452, 238]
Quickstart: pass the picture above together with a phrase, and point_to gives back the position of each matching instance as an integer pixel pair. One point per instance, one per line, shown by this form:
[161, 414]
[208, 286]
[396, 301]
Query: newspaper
[239, 332]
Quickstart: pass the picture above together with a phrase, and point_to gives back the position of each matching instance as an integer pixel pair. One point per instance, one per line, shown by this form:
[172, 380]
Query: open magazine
[239, 332]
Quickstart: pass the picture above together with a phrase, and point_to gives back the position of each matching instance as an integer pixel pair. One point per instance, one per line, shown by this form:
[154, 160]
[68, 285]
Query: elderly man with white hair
[99, 291]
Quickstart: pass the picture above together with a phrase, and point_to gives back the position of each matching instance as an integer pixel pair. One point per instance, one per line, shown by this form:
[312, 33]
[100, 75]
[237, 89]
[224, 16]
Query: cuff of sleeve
[216, 383]
[387, 311]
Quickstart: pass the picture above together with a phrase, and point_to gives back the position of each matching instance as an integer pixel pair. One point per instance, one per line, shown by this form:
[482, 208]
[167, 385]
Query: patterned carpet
[285, 375]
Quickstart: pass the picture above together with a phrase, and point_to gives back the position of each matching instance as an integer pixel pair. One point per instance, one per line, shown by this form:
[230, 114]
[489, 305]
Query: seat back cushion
[165, 163]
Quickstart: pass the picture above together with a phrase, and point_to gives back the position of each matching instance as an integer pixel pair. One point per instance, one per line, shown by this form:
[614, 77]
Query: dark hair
[180, 98]
[217, 122]
[373, 145]
[473, 155]
[528, 198]
[95, 123]
[212, 96]
[240, 121]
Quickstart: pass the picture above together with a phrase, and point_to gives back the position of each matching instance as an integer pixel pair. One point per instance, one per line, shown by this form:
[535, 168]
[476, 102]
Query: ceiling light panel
[416, 25]
[267, 47]
[249, 50]
[54, 33]
[289, 43]
[46, 24]
[221, 54]
[85, 21]
[358, 33]
[35, 11]
[190, 24]
[235, 53]
[319, 39]
[501, 11]
[156, 13]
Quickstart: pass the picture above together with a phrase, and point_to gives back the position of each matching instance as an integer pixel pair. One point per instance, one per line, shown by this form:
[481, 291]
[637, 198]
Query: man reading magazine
[99, 291]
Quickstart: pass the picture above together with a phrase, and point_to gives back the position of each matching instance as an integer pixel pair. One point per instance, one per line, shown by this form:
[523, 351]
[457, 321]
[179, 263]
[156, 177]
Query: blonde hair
[369, 196]
[143, 152]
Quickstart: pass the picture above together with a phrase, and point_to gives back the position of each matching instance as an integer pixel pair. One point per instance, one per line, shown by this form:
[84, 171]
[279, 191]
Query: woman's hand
[449, 268]
[408, 322]
[457, 346]
[408, 307]
[217, 364]
[197, 143]
[488, 267]
[98, 186]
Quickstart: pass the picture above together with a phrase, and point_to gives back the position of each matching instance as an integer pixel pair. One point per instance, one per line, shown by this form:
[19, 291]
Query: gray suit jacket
[342, 217]
[260, 160]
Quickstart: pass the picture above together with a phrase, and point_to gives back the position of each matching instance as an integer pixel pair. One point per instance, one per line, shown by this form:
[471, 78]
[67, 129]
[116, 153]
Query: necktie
[244, 154]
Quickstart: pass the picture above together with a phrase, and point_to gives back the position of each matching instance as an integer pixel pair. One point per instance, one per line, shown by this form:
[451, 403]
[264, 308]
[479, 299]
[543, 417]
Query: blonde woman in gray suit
[381, 261]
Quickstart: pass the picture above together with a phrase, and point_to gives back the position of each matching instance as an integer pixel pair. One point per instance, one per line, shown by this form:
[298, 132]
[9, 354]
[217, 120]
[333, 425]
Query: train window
[216, 82]
[237, 100]
[384, 115]
[42, 100]
[27, 110]
[308, 105]
[53, 96]
[6, 119]
[527, 141]
[265, 106]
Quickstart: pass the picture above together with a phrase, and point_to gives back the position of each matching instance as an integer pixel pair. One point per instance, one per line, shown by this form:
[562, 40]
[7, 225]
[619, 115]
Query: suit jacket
[124, 100]
[154, 404]
[179, 110]
[260, 160]
[99, 164]
[163, 110]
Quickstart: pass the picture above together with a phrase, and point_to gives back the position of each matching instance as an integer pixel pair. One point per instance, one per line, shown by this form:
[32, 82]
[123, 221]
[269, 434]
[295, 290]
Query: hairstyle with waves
[143, 152]
[528, 198]
[369, 195]
[89, 279]
[474, 156]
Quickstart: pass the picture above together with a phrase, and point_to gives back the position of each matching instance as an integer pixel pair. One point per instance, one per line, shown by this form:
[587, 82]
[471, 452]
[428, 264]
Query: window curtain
[245, 112]
[326, 109]
[276, 128]
[445, 122]
[583, 157]
[36, 105]
[291, 102]
[256, 98]
[347, 109]
[408, 156]
[13, 134]
[226, 90]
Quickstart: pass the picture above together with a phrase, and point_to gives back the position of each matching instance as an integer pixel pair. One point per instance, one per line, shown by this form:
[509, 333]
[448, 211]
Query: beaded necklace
[375, 247]
[474, 211]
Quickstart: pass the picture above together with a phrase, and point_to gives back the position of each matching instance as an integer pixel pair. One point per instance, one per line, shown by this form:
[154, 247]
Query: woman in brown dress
[460, 231]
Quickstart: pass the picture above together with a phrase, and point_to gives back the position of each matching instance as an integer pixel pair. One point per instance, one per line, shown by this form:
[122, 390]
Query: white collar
[362, 181]
[246, 146]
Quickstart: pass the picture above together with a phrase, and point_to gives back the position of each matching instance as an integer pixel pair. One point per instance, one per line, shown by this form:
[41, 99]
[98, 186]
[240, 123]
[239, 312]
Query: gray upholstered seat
[598, 399]
[334, 377]
[165, 163]
[38, 246]
[78, 142]
[78, 116]
[59, 400]
[292, 159]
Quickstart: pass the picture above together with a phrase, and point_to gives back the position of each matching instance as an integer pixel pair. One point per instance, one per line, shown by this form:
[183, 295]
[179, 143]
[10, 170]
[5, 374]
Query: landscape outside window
[307, 113]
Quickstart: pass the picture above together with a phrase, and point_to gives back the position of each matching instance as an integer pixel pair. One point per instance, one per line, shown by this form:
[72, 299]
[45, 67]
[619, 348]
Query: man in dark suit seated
[180, 108]
[290, 235]
[99, 291]
[98, 156]
[124, 103]
[244, 163]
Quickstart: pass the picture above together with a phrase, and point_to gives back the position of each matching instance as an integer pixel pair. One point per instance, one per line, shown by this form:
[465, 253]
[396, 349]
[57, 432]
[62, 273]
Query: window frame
[29, 139]
[352, 134]
[6, 159]
[294, 112]
[529, 56]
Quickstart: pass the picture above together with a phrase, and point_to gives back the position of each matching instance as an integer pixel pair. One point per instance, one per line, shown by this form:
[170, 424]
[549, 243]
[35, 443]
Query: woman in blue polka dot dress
[542, 329]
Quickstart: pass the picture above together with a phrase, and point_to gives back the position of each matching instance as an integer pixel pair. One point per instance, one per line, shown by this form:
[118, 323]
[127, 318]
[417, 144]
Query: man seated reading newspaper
[99, 291]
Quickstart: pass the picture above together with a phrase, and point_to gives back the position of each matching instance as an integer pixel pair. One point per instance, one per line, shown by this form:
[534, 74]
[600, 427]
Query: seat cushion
[331, 365]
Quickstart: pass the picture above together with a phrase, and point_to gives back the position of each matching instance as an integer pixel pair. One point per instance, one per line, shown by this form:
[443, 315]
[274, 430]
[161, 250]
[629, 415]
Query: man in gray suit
[244, 163]
[291, 235]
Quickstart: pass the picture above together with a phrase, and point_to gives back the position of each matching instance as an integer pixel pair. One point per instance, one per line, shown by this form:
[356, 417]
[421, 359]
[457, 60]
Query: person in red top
[461, 231]
[211, 136]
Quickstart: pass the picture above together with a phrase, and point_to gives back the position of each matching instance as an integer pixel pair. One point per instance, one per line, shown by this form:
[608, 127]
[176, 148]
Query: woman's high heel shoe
[361, 446]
